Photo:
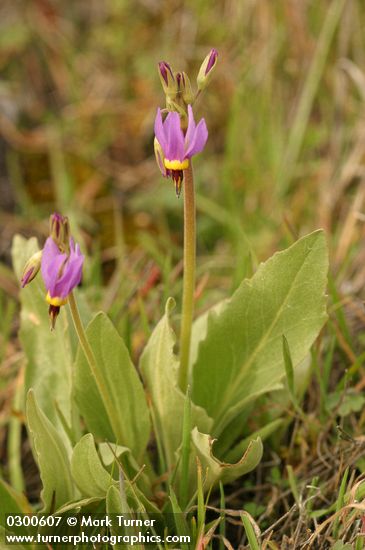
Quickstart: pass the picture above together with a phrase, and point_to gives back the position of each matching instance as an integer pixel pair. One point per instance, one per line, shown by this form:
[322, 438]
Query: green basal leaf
[179, 517]
[263, 433]
[87, 470]
[137, 496]
[115, 456]
[116, 501]
[241, 356]
[158, 367]
[216, 470]
[109, 453]
[127, 407]
[13, 502]
[200, 328]
[4, 546]
[91, 504]
[51, 456]
[48, 353]
[114, 506]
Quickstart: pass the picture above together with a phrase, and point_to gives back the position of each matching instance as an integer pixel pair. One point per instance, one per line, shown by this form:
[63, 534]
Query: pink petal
[199, 139]
[52, 260]
[72, 273]
[160, 130]
[174, 137]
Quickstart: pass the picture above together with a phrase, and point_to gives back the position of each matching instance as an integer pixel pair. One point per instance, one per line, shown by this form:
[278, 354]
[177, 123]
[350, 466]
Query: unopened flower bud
[206, 69]
[59, 231]
[31, 268]
[168, 80]
[184, 87]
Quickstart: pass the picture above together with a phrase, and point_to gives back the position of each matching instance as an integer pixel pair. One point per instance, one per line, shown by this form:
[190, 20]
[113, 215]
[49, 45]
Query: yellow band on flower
[176, 164]
[56, 301]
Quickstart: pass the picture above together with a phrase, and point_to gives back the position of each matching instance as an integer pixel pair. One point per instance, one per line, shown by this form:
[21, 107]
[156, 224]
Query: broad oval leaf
[51, 456]
[116, 504]
[4, 545]
[159, 371]
[121, 414]
[87, 470]
[86, 505]
[13, 502]
[241, 355]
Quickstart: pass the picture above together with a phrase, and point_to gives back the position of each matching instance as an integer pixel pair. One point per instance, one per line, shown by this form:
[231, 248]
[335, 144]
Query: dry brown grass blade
[347, 237]
[328, 521]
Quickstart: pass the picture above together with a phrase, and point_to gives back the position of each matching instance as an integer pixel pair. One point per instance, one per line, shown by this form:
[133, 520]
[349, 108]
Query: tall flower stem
[189, 276]
[90, 358]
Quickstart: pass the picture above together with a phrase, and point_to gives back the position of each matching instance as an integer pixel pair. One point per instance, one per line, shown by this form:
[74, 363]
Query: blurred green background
[79, 89]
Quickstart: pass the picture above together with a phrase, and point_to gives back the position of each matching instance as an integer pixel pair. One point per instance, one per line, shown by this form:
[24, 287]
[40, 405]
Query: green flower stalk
[174, 159]
[189, 276]
[177, 139]
[173, 153]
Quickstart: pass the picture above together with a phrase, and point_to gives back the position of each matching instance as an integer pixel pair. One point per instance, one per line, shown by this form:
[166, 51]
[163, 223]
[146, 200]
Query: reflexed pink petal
[160, 130]
[71, 276]
[199, 139]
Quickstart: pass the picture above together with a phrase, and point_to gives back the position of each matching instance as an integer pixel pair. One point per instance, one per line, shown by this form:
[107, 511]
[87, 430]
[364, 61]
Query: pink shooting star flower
[61, 273]
[176, 147]
[60, 263]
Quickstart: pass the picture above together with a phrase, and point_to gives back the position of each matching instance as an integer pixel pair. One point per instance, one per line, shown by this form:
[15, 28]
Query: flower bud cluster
[178, 138]
[177, 87]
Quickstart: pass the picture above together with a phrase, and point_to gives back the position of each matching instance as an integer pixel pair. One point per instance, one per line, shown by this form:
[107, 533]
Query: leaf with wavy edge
[216, 470]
